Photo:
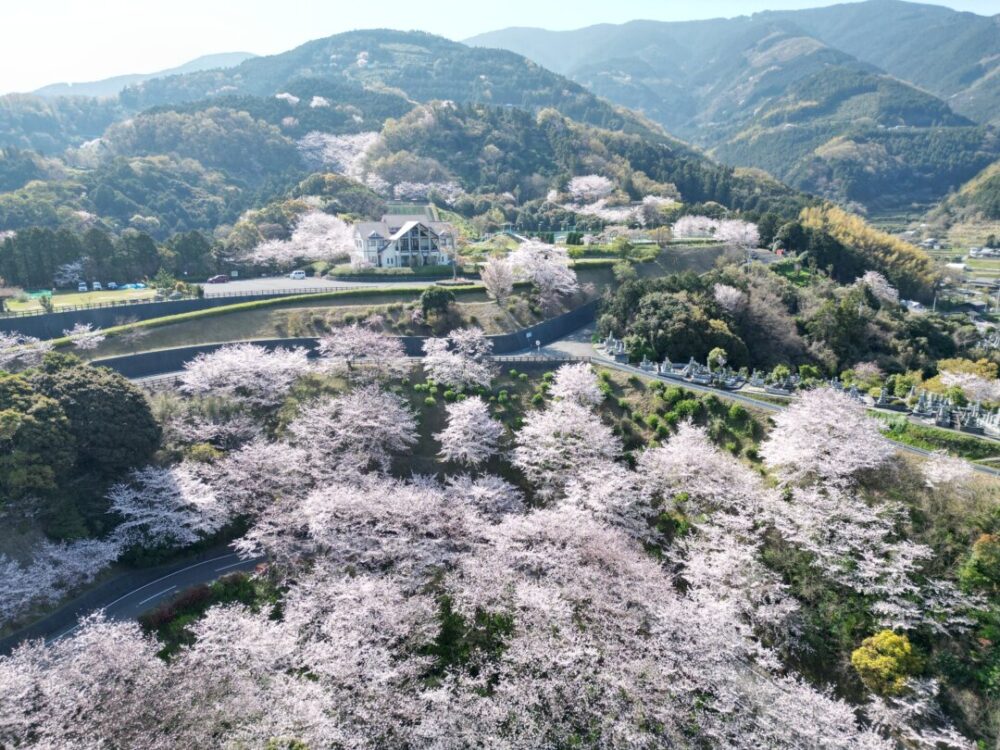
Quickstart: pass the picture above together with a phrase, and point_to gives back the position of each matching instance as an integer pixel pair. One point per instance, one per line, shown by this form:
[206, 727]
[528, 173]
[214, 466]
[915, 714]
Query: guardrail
[207, 295]
[283, 292]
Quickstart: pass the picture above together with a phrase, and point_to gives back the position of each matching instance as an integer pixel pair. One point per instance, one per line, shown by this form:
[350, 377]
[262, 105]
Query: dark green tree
[109, 417]
[36, 443]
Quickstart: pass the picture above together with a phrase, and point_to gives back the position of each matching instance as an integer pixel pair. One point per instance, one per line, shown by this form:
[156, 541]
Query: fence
[91, 306]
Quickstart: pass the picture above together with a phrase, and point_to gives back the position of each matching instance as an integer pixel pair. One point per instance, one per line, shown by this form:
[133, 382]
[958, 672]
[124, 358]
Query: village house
[401, 241]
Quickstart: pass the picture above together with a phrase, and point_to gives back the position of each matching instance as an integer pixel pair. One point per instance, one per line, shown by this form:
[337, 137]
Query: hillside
[111, 87]
[951, 54]
[193, 152]
[761, 91]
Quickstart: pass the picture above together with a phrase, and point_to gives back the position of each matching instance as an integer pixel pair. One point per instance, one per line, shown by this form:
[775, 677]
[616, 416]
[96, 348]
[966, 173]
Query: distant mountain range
[111, 87]
[881, 103]
[399, 110]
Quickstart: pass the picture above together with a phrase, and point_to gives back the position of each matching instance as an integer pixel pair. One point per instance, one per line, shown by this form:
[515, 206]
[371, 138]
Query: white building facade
[403, 242]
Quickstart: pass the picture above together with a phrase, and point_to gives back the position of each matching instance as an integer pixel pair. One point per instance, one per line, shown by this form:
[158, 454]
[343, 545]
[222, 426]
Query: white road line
[233, 565]
[163, 578]
[149, 599]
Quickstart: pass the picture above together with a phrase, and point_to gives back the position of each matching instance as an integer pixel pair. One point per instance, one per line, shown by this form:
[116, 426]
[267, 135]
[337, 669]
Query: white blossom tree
[497, 275]
[171, 505]
[472, 435]
[879, 286]
[556, 442]
[54, 570]
[576, 383]
[547, 267]
[246, 372]
[17, 351]
[974, 386]
[694, 227]
[461, 359]
[589, 188]
[316, 236]
[85, 336]
[363, 355]
[735, 233]
[825, 435]
[730, 299]
[361, 428]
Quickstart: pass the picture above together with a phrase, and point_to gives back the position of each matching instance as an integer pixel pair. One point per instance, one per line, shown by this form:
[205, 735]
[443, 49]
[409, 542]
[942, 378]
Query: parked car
[219, 279]
[299, 274]
[82, 286]
[97, 286]
[111, 285]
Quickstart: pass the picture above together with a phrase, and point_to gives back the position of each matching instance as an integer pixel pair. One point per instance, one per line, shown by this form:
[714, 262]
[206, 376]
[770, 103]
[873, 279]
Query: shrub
[885, 661]
[450, 395]
[513, 373]
[982, 569]
[430, 401]
[538, 399]
[653, 421]
[205, 453]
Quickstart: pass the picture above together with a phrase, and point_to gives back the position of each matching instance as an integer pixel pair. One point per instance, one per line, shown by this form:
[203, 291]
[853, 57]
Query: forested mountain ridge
[951, 54]
[763, 91]
[111, 87]
[208, 146]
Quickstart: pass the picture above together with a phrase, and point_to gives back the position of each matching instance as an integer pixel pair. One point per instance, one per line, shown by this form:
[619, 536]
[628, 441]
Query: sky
[53, 41]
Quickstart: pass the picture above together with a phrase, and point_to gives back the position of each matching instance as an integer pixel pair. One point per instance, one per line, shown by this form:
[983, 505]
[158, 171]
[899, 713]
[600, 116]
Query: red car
[220, 279]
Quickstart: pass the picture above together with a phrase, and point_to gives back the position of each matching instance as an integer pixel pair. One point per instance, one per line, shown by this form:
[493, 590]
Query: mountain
[111, 87]
[764, 92]
[951, 54]
[489, 133]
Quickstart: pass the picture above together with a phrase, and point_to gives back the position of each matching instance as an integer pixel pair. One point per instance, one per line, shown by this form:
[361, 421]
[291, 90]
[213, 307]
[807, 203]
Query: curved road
[130, 595]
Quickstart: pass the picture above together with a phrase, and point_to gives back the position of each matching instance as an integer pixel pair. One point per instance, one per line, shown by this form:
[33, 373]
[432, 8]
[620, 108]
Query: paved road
[131, 594]
[285, 284]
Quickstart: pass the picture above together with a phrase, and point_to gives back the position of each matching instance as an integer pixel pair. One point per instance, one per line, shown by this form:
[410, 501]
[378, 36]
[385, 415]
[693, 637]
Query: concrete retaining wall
[52, 325]
[162, 361]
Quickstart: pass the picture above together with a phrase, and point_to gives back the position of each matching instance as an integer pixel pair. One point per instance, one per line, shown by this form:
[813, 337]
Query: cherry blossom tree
[741, 235]
[547, 268]
[472, 435]
[54, 570]
[973, 386]
[246, 372]
[361, 428]
[18, 351]
[460, 360]
[363, 355]
[730, 299]
[558, 441]
[577, 383]
[827, 436]
[858, 545]
[942, 470]
[344, 154]
[879, 286]
[171, 505]
[695, 226]
[589, 188]
[85, 336]
[316, 236]
[497, 276]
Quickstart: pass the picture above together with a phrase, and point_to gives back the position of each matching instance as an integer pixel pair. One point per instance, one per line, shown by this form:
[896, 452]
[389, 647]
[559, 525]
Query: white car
[300, 274]
[82, 286]
[97, 286]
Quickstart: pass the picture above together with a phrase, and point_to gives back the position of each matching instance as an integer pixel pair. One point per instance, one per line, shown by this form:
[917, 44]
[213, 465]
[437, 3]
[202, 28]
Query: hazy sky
[51, 41]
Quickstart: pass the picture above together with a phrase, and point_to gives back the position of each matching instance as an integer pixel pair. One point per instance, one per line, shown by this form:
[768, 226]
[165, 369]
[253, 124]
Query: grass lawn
[73, 299]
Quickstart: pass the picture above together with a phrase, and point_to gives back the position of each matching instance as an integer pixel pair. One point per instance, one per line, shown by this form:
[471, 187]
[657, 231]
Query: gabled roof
[409, 227]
